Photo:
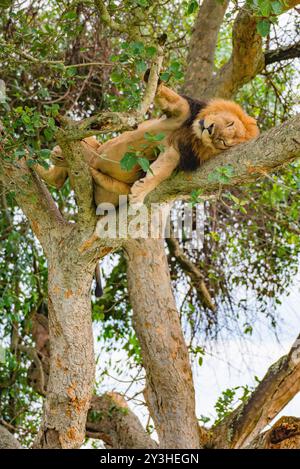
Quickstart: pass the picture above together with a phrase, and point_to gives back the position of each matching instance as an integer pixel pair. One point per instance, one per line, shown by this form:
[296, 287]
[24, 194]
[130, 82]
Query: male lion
[194, 131]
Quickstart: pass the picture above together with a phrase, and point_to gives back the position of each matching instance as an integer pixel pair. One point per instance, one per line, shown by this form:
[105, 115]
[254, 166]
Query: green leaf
[128, 161]
[116, 77]
[71, 71]
[70, 15]
[45, 153]
[234, 198]
[265, 7]
[142, 3]
[141, 66]
[263, 27]
[192, 7]
[165, 76]
[31, 162]
[48, 133]
[175, 66]
[137, 48]
[223, 174]
[154, 138]
[277, 7]
[144, 163]
[150, 51]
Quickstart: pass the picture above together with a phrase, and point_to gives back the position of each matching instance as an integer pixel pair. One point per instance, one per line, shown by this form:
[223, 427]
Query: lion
[193, 132]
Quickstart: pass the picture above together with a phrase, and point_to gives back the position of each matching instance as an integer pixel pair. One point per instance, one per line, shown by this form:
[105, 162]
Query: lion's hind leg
[109, 183]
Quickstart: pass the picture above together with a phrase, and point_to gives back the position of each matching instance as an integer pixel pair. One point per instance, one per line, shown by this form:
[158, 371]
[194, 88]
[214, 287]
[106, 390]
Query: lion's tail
[98, 289]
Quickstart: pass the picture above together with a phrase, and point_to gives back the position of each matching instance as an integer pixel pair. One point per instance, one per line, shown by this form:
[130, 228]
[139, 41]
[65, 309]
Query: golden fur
[217, 126]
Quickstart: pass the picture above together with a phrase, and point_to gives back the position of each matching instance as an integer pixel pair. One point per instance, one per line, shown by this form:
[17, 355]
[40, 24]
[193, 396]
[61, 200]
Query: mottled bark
[285, 434]
[246, 60]
[200, 59]
[7, 440]
[35, 200]
[111, 420]
[71, 374]
[169, 389]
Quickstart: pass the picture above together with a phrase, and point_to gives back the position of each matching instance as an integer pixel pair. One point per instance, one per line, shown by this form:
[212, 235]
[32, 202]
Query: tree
[60, 60]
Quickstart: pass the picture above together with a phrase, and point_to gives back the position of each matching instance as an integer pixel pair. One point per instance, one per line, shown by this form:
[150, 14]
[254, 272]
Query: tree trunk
[7, 440]
[71, 375]
[169, 390]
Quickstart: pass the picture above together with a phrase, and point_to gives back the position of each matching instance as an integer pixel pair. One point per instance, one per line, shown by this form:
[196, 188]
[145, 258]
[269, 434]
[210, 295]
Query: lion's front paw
[137, 193]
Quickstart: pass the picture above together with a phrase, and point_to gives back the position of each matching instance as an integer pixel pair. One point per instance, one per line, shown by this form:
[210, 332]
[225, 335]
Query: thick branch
[107, 19]
[285, 434]
[7, 440]
[111, 420]
[131, 30]
[245, 163]
[283, 53]
[200, 59]
[277, 388]
[34, 199]
[246, 59]
[80, 176]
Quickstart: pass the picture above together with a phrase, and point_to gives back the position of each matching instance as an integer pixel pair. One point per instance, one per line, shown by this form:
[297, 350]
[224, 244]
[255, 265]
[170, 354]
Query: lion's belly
[109, 156]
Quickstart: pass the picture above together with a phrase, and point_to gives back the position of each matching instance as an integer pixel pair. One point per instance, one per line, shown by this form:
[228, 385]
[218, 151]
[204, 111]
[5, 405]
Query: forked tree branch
[284, 434]
[247, 58]
[283, 53]
[111, 420]
[35, 200]
[200, 59]
[277, 388]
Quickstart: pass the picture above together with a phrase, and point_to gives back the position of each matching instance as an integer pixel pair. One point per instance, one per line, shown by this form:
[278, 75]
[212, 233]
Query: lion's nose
[210, 129]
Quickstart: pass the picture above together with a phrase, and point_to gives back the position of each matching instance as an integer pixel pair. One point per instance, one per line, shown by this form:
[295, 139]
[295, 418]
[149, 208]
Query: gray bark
[7, 440]
[71, 376]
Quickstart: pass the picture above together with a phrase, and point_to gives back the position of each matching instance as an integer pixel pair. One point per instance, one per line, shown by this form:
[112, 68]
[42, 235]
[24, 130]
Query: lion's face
[222, 129]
